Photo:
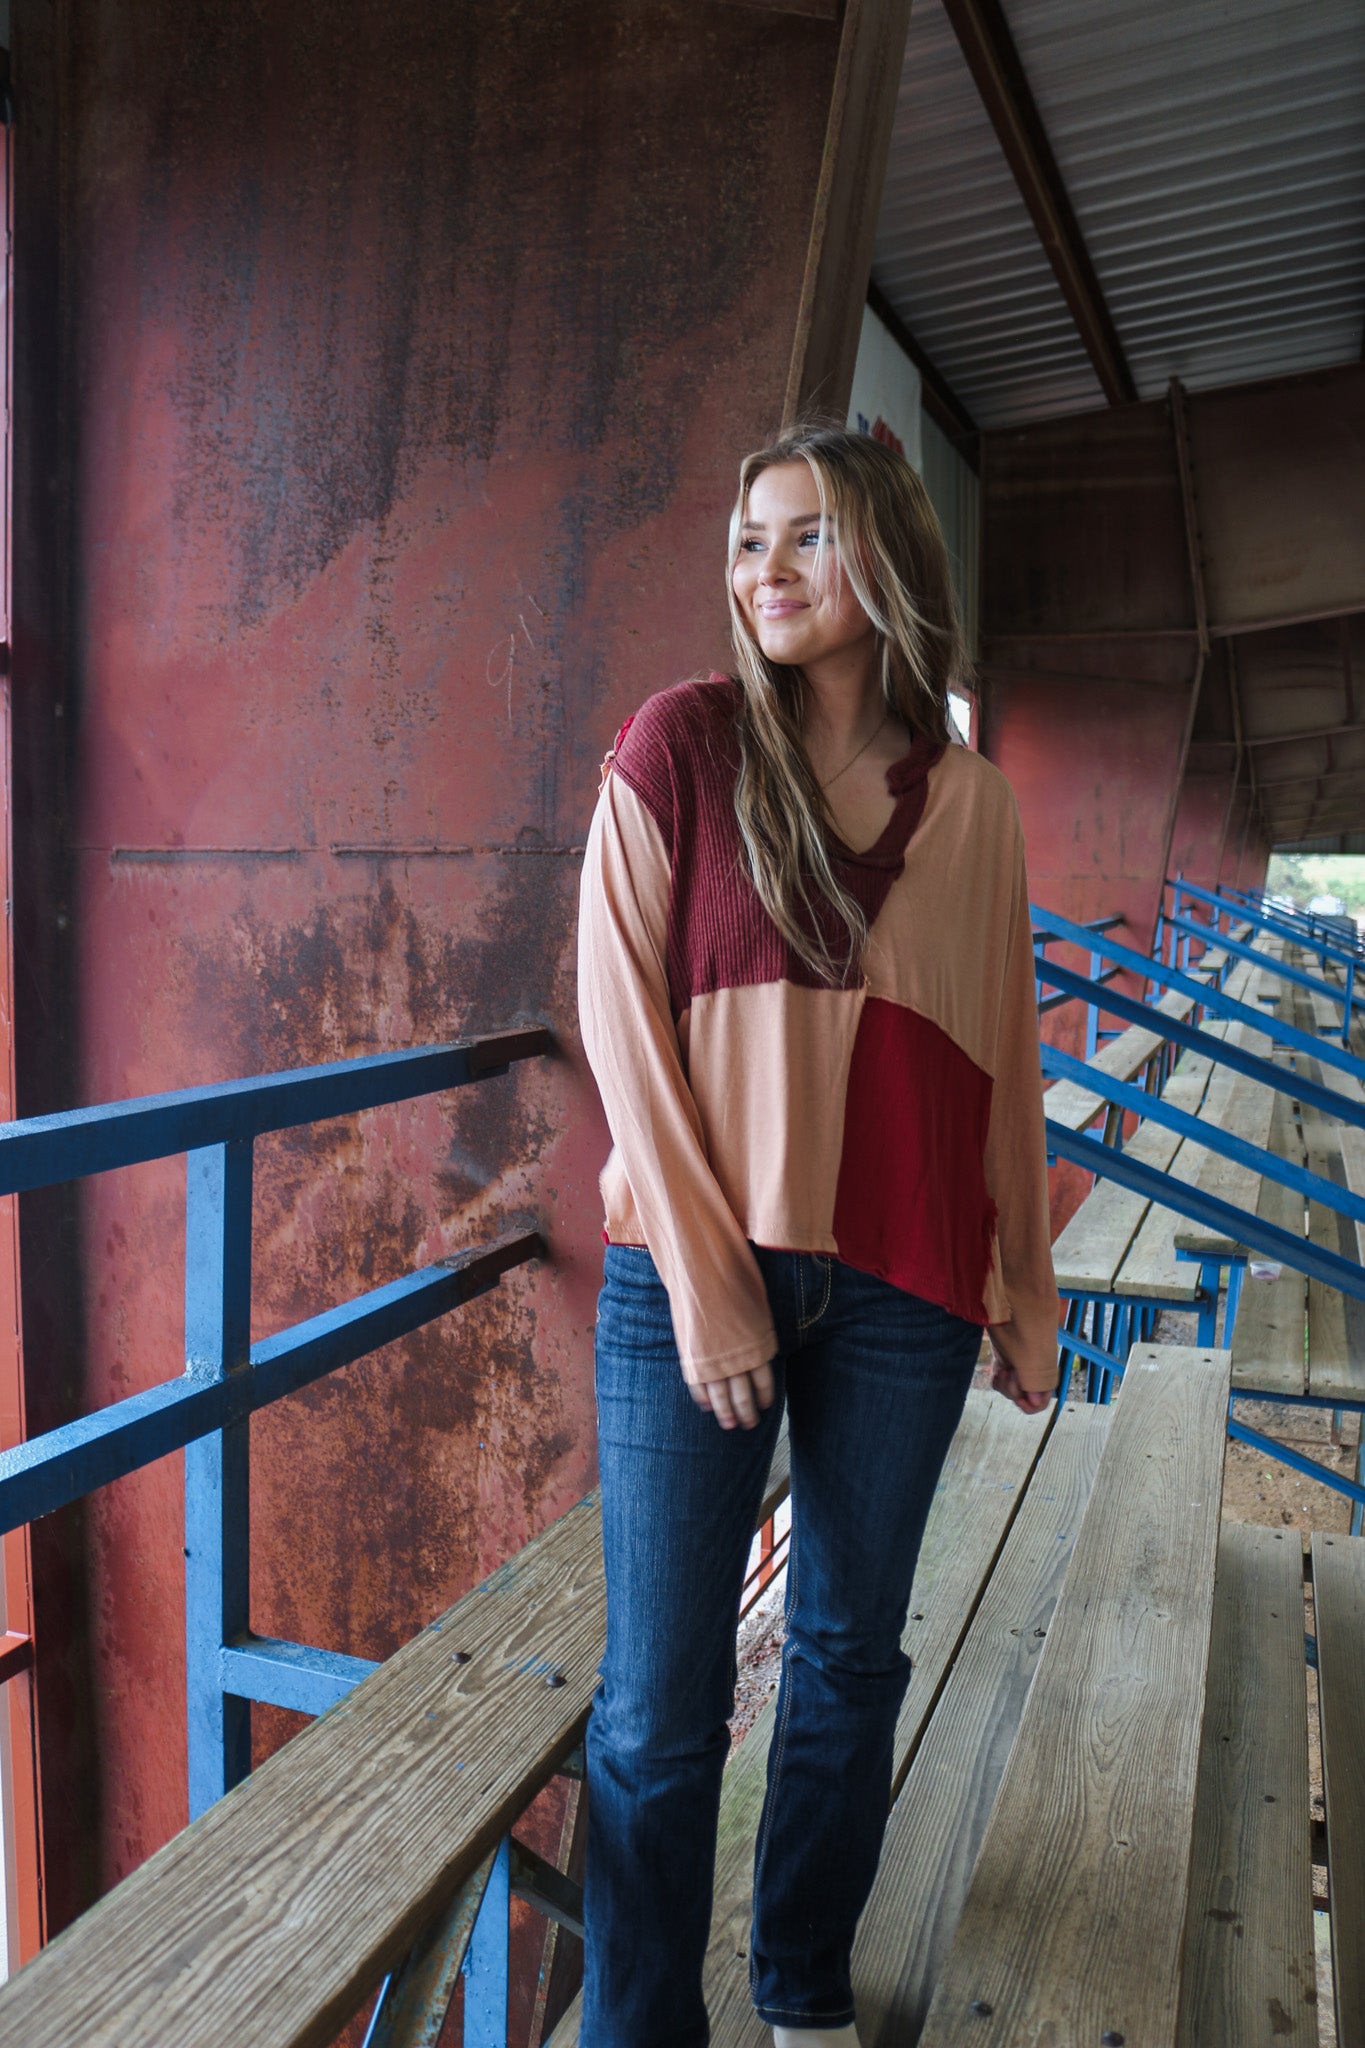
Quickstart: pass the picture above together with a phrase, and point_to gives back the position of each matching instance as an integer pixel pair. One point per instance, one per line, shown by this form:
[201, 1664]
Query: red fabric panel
[680, 756]
[912, 1204]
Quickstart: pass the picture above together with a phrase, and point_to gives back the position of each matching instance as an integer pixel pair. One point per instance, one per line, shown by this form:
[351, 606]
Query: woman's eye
[812, 534]
[747, 547]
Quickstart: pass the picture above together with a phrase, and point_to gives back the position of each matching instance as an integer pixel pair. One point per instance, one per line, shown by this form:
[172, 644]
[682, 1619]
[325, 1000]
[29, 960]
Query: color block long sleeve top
[895, 1121]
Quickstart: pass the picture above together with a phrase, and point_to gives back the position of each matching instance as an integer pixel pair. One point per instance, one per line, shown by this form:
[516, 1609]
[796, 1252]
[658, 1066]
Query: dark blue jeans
[874, 1381]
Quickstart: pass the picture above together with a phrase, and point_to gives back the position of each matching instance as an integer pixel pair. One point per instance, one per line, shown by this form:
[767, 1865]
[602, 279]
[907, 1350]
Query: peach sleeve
[721, 1318]
[1016, 1165]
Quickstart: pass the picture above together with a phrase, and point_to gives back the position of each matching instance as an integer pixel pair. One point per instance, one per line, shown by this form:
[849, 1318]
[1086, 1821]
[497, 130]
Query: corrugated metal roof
[1215, 158]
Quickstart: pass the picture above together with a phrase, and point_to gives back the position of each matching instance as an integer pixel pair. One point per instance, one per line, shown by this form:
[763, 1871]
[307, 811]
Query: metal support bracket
[413, 2001]
[546, 1888]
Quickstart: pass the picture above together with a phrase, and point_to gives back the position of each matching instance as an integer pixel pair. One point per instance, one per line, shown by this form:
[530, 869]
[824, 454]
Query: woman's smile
[793, 620]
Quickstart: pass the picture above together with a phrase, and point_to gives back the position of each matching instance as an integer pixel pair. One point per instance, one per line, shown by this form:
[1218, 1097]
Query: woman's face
[791, 622]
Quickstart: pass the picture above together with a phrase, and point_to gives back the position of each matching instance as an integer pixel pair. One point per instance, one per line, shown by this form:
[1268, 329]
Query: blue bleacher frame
[206, 1412]
[1121, 1320]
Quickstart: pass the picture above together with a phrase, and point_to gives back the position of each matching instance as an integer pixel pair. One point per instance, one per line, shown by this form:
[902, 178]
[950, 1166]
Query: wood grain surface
[938, 1822]
[269, 1918]
[1249, 1975]
[982, 1484]
[1089, 1252]
[1151, 1268]
[1339, 1605]
[1068, 1103]
[1245, 1111]
[1074, 1918]
[1336, 1321]
[1269, 1341]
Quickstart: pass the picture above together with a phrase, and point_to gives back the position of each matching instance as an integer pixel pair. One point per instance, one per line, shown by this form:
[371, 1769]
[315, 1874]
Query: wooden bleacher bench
[1294, 1335]
[1119, 1243]
[273, 1916]
[1076, 1844]
[978, 1496]
[1131, 1052]
[1063, 1856]
[1134, 1862]
[1339, 1605]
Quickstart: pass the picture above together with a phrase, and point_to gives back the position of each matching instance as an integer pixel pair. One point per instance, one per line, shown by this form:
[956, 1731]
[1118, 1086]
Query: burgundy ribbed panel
[680, 756]
[912, 1203]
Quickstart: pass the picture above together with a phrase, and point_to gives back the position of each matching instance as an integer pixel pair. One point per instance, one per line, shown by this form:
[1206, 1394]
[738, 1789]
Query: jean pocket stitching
[808, 1322]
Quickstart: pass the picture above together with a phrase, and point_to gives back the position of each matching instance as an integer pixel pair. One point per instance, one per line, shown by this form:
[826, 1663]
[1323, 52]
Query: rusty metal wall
[1201, 824]
[382, 384]
[1094, 763]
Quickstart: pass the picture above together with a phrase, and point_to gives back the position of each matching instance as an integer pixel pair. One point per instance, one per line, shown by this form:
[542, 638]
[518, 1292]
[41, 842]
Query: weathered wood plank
[978, 1495]
[1270, 1338]
[1245, 1110]
[273, 1914]
[1336, 1322]
[982, 1483]
[1151, 1266]
[1074, 1917]
[1088, 1253]
[1121, 1058]
[1339, 1608]
[1151, 1269]
[403, 1786]
[1249, 1975]
[938, 1822]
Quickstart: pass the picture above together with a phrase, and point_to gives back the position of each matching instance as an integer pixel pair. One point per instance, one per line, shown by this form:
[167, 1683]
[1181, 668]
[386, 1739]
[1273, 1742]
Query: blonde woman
[806, 990]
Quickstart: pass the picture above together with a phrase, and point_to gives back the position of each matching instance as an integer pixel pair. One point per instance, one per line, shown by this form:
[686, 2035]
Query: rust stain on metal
[408, 361]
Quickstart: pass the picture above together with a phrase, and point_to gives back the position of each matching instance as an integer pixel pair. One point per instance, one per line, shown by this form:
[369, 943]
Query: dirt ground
[1256, 1488]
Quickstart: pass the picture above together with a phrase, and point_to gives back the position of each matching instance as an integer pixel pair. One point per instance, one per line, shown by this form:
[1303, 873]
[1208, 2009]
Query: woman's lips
[781, 609]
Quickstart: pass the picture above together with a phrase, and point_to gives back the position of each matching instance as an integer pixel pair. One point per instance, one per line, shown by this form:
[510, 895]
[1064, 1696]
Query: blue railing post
[217, 1467]
[486, 1958]
[1349, 1005]
[1092, 1011]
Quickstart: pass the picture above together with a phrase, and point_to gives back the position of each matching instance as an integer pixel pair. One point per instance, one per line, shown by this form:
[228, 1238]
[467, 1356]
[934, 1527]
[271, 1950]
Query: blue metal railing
[205, 1411]
[1307, 928]
[1099, 974]
[1118, 1319]
[1205, 993]
[1327, 949]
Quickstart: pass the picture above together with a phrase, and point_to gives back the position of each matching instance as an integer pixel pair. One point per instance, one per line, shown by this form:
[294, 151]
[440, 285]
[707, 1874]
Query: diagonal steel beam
[993, 61]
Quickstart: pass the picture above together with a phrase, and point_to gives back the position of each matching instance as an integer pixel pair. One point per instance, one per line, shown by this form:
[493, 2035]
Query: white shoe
[815, 2037]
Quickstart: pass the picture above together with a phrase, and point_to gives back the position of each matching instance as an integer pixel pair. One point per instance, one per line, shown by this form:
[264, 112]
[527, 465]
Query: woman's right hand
[737, 1402]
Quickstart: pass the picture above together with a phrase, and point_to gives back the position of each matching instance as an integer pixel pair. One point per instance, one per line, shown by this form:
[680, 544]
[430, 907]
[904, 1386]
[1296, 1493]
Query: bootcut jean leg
[876, 1382]
[680, 1497]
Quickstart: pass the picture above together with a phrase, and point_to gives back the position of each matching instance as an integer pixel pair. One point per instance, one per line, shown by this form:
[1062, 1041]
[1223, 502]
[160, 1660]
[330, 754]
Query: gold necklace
[858, 756]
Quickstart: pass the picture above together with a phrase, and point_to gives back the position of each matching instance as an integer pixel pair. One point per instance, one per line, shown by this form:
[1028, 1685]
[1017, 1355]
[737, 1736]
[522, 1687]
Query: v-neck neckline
[905, 779]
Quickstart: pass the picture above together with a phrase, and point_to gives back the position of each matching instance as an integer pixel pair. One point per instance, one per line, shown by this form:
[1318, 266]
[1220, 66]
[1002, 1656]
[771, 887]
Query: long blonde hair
[891, 548]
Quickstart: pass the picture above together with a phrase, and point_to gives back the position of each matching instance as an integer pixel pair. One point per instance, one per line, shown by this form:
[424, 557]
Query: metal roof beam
[1318, 775]
[993, 61]
[1332, 817]
[1291, 739]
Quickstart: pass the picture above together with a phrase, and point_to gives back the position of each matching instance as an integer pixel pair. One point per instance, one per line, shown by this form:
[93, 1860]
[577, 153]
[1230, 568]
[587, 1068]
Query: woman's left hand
[1005, 1380]
[736, 1402]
